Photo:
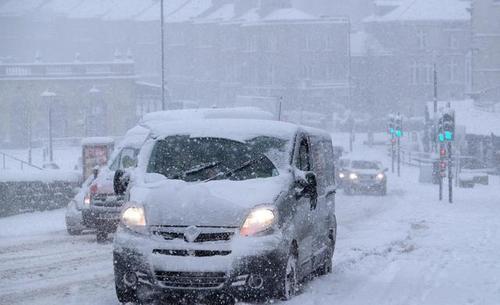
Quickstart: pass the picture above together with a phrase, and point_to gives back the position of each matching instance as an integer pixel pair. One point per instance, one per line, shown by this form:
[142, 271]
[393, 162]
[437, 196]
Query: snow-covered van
[96, 206]
[225, 209]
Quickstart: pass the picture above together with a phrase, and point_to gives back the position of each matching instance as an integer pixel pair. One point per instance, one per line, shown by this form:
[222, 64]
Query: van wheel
[383, 190]
[327, 266]
[74, 231]
[123, 293]
[289, 282]
[101, 236]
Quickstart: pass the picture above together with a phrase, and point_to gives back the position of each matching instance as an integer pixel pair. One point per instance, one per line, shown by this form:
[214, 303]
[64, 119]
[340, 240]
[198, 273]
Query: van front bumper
[161, 269]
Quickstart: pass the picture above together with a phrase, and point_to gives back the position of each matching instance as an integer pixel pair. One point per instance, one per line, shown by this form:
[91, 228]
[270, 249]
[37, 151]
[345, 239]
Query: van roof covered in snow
[234, 129]
[208, 113]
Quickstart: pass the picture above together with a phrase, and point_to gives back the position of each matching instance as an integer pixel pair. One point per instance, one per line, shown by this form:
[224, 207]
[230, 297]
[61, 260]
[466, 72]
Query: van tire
[101, 236]
[123, 293]
[74, 232]
[288, 282]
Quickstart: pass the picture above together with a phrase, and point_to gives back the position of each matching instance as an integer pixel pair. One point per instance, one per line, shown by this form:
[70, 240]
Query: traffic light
[391, 128]
[442, 152]
[449, 126]
[398, 126]
[440, 132]
[446, 127]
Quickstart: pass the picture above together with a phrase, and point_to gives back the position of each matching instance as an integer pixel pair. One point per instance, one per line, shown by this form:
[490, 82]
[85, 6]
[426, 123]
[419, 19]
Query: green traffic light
[448, 135]
[399, 133]
[441, 137]
[391, 130]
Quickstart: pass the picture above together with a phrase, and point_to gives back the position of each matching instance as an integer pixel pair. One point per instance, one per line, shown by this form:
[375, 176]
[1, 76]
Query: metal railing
[22, 163]
[62, 70]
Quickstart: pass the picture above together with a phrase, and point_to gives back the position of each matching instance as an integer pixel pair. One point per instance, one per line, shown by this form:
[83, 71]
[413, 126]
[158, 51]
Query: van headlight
[134, 217]
[380, 176]
[86, 200]
[353, 176]
[259, 220]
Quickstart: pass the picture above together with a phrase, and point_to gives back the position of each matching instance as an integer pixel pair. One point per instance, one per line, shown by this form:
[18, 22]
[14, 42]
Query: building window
[414, 73]
[251, 43]
[330, 42]
[422, 39]
[453, 76]
[453, 41]
[429, 74]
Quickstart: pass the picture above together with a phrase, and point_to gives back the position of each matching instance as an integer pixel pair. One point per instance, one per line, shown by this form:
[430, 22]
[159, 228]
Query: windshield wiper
[197, 169]
[233, 171]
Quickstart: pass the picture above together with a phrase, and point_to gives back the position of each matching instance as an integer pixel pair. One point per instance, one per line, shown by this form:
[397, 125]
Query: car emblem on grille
[191, 234]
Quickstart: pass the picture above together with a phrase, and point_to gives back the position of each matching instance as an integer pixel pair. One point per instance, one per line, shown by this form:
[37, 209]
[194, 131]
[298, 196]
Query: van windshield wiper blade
[197, 169]
[231, 172]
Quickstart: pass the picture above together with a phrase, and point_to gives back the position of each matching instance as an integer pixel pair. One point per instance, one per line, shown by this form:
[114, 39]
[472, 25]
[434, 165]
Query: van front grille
[191, 280]
[196, 253]
[207, 234]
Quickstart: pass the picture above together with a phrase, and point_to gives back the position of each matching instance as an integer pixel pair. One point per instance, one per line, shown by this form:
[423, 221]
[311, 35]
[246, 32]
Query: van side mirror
[120, 182]
[307, 186]
[95, 172]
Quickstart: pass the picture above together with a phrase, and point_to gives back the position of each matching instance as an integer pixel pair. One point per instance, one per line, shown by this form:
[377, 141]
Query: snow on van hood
[215, 203]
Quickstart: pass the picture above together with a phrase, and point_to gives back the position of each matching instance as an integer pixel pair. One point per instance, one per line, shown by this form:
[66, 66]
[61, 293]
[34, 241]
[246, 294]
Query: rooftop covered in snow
[426, 10]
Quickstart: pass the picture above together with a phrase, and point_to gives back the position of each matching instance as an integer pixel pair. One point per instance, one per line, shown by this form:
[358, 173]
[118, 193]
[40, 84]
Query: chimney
[243, 6]
[267, 6]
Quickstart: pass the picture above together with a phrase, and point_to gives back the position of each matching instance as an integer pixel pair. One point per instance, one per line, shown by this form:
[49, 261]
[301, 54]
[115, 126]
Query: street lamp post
[48, 97]
[162, 27]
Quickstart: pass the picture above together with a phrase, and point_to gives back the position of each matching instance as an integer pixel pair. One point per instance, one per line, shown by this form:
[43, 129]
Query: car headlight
[341, 175]
[258, 221]
[380, 176]
[86, 200]
[134, 218]
[353, 176]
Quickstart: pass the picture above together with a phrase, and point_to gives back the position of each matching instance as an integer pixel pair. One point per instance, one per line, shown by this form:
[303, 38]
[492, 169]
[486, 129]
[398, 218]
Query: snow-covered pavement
[406, 248]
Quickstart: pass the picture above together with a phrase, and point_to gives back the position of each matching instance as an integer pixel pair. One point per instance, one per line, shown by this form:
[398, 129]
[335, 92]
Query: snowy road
[406, 248]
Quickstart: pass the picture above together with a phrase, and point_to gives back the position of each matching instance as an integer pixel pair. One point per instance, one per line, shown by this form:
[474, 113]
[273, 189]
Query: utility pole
[162, 26]
[49, 97]
[435, 102]
[279, 107]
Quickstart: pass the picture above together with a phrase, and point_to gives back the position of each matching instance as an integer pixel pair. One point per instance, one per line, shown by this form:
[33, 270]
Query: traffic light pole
[440, 174]
[399, 157]
[392, 153]
[450, 177]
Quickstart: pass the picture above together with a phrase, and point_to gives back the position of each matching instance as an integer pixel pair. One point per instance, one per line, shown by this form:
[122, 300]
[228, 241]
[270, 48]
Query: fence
[22, 163]
[29, 196]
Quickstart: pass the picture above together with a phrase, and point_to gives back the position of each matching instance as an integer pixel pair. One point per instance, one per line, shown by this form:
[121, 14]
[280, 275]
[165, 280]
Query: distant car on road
[362, 176]
[342, 174]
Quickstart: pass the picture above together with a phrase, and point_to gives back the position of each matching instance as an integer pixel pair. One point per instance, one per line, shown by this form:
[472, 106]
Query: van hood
[215, 203]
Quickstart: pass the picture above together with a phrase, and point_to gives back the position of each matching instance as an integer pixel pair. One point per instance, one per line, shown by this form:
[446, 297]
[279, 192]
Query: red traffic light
[442, 165]
[442, 152]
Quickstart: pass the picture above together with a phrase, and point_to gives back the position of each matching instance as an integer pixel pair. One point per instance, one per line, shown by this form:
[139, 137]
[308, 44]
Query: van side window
[303, 158]
[319, 162]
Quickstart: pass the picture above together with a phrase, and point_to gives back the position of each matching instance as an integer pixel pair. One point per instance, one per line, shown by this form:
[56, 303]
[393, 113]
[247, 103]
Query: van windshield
[203, 159]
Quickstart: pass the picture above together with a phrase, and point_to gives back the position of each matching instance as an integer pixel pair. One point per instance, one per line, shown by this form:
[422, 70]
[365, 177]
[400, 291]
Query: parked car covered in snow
[363, 176]
[226, 208]
[472, 171]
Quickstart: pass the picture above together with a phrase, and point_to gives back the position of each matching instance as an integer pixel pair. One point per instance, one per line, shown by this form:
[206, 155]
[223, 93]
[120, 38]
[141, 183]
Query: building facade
[83, 99]
[420, 35]
[486, 50]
